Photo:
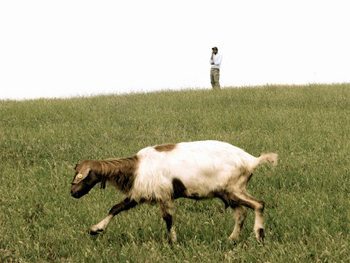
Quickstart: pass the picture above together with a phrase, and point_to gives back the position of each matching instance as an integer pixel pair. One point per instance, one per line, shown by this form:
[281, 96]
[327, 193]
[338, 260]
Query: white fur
[202, 166]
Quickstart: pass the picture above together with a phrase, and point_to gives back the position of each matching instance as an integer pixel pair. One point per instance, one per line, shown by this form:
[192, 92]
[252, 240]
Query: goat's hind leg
[167, 209]
[240, 214]
[258, 207]
[122, 206]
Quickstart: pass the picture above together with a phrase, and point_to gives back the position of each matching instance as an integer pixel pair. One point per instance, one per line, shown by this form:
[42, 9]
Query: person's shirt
[216, 61]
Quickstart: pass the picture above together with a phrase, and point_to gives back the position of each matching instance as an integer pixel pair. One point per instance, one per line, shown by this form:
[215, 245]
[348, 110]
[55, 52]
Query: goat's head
[85, 179]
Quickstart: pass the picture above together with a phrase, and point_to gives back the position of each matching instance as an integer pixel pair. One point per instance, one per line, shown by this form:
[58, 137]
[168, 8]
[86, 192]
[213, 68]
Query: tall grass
[307, 196]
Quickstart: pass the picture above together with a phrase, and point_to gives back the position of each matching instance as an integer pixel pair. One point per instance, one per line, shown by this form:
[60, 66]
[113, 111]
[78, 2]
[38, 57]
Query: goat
[160, 174]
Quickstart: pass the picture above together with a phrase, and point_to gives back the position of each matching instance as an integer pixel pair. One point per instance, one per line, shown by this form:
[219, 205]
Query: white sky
[83, 47]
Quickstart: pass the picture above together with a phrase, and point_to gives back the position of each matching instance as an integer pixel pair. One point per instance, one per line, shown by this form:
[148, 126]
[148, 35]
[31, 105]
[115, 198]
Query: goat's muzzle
[77, 191]
[75, 194]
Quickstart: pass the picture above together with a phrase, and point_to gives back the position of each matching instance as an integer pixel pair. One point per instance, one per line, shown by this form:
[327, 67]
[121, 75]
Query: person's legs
[216, 79]
[212, 80]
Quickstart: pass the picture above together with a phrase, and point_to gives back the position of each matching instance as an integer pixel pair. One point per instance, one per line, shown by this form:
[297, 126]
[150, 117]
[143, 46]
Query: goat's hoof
[260, 235]
[172, 238]
[233, 241]
[95, 231]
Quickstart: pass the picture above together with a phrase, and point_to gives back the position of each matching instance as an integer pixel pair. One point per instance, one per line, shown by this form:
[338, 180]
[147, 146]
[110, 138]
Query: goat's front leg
[122, 206]
[167, 209]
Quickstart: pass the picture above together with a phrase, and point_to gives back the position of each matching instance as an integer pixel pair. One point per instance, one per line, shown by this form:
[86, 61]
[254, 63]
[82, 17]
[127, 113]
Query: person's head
[215, 50]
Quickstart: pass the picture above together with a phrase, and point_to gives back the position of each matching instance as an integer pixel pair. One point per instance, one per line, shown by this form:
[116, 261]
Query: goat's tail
[271, 158]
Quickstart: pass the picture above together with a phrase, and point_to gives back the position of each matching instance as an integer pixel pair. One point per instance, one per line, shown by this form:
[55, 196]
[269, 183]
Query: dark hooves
[261, 234]
[94, 233]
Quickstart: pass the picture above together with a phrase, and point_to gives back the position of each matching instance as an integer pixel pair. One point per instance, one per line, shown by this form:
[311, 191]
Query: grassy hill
[307, 196]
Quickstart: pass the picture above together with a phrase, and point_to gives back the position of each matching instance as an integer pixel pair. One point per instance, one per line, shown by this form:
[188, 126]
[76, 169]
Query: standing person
[215, 62]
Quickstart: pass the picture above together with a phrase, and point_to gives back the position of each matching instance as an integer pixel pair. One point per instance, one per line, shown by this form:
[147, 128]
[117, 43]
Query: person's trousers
[215, 77]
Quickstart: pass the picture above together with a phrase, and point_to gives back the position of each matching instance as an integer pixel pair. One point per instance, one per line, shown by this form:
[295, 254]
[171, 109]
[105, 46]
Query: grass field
[307, 195]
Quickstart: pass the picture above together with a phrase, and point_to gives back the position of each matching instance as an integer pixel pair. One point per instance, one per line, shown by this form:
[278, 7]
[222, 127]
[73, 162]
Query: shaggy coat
[162, 173]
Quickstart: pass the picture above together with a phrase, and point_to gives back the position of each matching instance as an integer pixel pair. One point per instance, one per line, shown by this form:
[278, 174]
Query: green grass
[307, 195]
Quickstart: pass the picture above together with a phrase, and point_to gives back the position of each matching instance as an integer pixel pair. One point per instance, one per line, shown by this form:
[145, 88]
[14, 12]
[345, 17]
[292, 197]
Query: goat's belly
[163, 186]
[203, 185]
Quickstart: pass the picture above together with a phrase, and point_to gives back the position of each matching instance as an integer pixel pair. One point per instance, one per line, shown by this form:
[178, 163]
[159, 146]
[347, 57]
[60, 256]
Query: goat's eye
[79, 176]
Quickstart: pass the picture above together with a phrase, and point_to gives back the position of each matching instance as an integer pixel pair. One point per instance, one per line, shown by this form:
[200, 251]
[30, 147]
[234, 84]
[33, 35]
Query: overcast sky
[85, 47]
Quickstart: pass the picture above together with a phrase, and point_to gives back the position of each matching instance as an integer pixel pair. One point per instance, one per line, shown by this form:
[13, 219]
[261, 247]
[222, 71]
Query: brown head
[120, 172]
[86, 177]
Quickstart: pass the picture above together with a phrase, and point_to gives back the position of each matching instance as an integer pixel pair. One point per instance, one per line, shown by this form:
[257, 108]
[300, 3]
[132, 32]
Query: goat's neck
[120, 172]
